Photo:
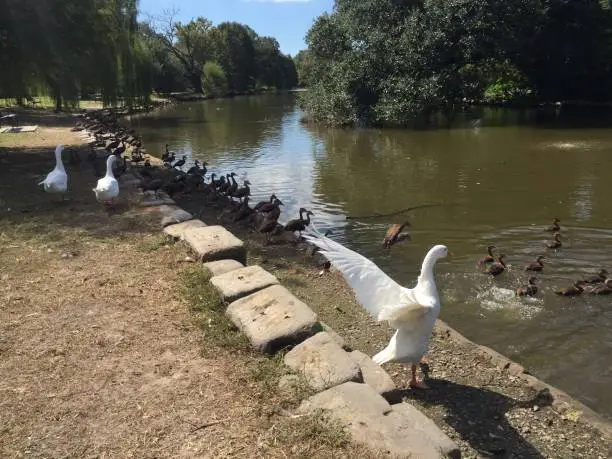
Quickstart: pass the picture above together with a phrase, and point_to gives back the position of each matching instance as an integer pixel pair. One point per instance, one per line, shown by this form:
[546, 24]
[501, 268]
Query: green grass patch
[208, 308]
[154, 243]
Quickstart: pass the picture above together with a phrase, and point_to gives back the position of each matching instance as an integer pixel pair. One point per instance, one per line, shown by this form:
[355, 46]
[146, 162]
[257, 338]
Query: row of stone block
[350, 385]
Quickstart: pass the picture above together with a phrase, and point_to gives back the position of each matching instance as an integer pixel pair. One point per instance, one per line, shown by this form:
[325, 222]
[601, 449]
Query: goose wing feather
[380, 295]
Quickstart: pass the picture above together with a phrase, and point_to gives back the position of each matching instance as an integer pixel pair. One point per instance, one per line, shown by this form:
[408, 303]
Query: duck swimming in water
[498, 267]
[395, 235]
[574, 290]
[536, 265]
[555, 226]
[556, 243]
[531, 289]
[602, 276]
[605, 289]
[488, 258]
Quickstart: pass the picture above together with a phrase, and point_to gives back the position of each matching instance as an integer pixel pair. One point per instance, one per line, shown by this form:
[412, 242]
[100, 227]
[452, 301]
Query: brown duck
[574, 290]
[498, 267]
[395, 235]
[488, 258]
[536, 265]
[604, 289]
[556, 244]
[555, 226]
[531, 289]
[602, 276]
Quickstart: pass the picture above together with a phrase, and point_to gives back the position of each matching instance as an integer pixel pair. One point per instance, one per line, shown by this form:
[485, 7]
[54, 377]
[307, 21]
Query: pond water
[499, 177]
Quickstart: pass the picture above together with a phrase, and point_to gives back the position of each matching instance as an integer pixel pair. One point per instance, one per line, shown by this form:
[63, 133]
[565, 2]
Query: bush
[213, 79]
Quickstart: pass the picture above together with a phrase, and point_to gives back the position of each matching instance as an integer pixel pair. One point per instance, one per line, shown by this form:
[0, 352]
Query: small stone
[323, 362]
[188, 259]
[65, 255]
[49, 250]
[536, 408]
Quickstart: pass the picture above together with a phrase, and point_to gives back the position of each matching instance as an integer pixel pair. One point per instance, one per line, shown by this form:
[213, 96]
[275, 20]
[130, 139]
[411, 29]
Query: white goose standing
[412, 312]
[56, 181]
[107, 187]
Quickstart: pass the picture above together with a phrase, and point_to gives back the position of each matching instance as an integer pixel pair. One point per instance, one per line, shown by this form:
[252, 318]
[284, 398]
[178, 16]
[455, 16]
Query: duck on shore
[299, 224]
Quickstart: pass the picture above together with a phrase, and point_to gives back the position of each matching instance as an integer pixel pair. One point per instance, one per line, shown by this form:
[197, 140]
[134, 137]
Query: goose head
[532, 280]
[490, 249]
[603, 273]
[540, 258]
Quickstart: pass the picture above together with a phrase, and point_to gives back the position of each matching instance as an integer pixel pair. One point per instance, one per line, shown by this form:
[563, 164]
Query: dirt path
[99, 353]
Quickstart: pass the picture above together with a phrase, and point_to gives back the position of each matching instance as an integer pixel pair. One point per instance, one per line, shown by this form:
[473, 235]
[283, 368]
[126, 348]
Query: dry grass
[100, 355]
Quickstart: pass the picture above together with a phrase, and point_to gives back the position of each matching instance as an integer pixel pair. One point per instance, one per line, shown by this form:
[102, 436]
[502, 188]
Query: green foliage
[66, 48]
[304, 67]
[214, 79]
[400, 61]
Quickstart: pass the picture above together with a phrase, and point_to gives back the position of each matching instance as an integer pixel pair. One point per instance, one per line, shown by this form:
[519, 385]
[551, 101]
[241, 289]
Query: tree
[399, 61]
[191, 44]
[304, 67]
[234, 52]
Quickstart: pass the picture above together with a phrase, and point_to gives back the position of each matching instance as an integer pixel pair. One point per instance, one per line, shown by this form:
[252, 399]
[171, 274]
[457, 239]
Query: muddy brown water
[499, 177]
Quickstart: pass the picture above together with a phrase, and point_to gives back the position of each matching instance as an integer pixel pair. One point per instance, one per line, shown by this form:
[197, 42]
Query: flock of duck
[103, 133]
[494, 265]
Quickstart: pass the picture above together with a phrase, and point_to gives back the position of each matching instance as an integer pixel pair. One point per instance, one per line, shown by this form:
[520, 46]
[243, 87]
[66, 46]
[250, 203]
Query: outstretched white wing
[380, 295]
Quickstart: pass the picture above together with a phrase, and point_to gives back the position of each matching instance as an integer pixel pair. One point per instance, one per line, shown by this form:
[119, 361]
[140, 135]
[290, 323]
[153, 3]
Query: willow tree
[63, 47]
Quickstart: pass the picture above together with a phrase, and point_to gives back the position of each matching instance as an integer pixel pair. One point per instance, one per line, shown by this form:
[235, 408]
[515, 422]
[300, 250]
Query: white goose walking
[107, 187]
[412, 312]
[56, 181]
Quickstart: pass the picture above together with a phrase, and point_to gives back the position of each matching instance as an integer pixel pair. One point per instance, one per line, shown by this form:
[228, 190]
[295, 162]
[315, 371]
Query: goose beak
[450, 254]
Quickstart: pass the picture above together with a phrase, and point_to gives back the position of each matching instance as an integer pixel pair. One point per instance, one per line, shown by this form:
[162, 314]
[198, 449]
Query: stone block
[216, 268]
[371, 421]
[409, 417]
[214, 243]
[272, 318]
[242, 282]
[171, 215]
[336, 337]
[149, 199]
[323, 362]
[177, 230]
[373, 374]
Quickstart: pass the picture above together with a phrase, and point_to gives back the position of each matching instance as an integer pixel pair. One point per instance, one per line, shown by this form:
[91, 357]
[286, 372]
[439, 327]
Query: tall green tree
[234, 51]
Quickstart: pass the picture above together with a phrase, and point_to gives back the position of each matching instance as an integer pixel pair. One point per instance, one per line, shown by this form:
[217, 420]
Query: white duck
[56, 181]
[412, 312]
[107, 187]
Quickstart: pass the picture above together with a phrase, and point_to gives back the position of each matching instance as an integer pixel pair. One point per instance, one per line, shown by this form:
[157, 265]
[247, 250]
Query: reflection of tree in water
[212, 128]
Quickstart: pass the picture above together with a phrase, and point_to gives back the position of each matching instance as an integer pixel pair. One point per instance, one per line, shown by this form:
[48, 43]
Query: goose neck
[109, 166]
[58, 159]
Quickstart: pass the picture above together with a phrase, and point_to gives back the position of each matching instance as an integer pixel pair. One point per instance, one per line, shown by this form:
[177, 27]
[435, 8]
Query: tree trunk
[58, 103]
[195, 79]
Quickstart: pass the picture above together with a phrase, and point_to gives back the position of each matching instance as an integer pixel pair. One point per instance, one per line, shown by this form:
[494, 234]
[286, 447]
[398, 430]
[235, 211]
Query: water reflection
[499, 176]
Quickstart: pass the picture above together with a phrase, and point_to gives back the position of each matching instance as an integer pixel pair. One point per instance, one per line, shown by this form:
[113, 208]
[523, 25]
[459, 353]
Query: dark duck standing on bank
[536, 265]
[556, 243]
[555, 226]
[272, 209]
[531, 289]
[180, 163]
[574, 290]
[168, 156]
[260, 204]
[489, 258]
[395, 234]
[243, 192]
[299, 224]
[498, 267]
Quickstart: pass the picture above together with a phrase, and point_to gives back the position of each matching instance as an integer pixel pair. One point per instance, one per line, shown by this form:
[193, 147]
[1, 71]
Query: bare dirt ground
[100, 355]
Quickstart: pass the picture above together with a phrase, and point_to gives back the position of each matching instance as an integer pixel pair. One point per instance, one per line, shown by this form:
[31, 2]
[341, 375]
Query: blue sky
[286, 20]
